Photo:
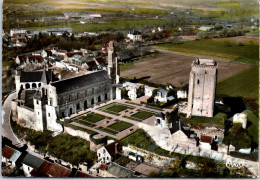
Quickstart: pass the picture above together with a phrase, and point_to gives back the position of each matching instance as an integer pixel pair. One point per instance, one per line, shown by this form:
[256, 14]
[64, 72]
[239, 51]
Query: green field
[141, 115]
[242, 84]
[233, 9]
[224, 49]
[110, 25]
[117, 108]
[120, 126]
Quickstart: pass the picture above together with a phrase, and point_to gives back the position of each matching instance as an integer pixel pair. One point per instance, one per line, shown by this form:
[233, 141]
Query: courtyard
[116, 119]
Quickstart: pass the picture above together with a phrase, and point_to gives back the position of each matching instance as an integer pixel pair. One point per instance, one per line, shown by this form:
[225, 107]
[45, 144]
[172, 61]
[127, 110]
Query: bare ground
[175, 68]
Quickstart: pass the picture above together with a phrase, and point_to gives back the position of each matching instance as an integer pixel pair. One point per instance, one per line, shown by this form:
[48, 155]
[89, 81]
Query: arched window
[27, 86]
[85, 104]
[33, 85]
[92, 101]
[99, 99]
[39, 85]
[106, 96]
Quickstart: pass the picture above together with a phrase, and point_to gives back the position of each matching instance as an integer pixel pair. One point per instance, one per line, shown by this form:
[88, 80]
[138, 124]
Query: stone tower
[113, 66]
[202, 87]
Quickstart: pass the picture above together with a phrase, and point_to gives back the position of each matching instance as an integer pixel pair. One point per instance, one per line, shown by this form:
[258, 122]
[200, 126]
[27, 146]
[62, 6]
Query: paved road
[6, 127]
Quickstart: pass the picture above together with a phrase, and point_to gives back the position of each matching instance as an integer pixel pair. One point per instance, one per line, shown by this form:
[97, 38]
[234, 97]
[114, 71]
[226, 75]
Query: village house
[162, 96]
[148, 91]
[161, 121]
[10, 156]
[20, 32]
[59, 31]
[181, 94]
[135, 35]
[108, 153]
[181, 135]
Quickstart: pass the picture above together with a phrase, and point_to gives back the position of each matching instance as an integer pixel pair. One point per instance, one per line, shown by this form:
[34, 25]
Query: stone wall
[26, 117]
[78, 133]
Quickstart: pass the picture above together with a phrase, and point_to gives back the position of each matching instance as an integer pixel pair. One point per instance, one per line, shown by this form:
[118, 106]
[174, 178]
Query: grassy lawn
[120, 126]
[89, 117]
[242, 84]
[141, 115]
[253, 126]
[85, 123]
[127, 65]
[218, 48]
[109, 131]
[115, 108]
[110, 25]
[216, 121]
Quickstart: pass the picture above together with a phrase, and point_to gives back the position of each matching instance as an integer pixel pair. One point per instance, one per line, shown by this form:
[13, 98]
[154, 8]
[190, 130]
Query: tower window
[37, 102]
[198, 81]
[92, 90]
[49, 114]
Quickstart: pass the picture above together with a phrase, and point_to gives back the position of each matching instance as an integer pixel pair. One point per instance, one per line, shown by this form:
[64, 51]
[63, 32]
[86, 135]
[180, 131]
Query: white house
[161, 121]
[135, 35]
[107, 153]
[162, 96]
[17, 31]
[240, 118]
[148, 91]
[181, 94]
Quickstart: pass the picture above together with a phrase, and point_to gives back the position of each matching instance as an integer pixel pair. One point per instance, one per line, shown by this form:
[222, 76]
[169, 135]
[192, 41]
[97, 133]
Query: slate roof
[80, 81]
[120, 171]
[51, 169]
[7, 152]
[32, 161]
[36, 76]
[111, 149]
[179, 125]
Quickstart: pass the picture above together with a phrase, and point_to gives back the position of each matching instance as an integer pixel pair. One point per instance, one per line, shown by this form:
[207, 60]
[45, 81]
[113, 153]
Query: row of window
[86, 93]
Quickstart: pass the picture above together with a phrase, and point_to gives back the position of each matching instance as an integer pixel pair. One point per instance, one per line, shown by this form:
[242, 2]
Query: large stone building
[202, 86]
[42, 99]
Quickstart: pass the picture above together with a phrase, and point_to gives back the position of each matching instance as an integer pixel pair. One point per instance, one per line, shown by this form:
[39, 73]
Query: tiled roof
[100, 60]
[82, 174]
[51, 169]
[35, 58]
[80, 81]
[7, 152]
[111, 148]
[22, 57]
[103, 166]
[70, 54]
[206, 139]
[91, 64]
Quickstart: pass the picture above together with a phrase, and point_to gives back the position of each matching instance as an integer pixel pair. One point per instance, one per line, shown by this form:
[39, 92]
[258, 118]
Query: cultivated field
[175, 68]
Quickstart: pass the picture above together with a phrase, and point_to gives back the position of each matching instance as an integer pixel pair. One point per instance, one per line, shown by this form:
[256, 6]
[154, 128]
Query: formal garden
[141, 115]
[115, 108]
